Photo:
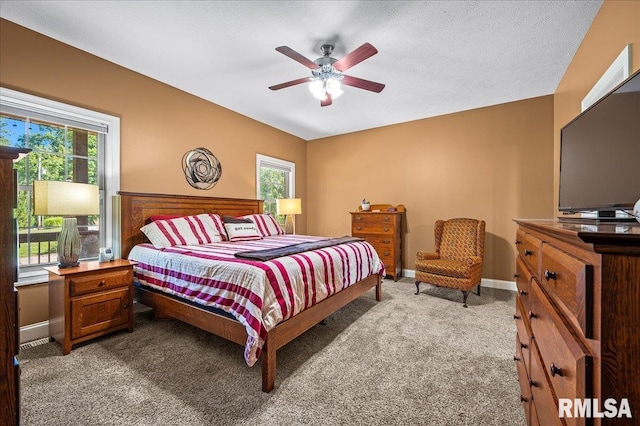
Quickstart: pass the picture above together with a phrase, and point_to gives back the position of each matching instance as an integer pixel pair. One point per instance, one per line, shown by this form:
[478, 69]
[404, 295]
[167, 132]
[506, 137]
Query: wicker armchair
[457, 260]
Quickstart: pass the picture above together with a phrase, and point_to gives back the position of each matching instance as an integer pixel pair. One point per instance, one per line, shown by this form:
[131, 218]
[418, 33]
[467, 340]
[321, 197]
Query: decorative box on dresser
[578, 320]
[90, 300]
[381, 226]
[9, 331]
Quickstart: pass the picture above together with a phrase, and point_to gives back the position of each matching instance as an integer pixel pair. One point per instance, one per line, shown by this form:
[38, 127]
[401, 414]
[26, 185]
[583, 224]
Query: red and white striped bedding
[258, 294]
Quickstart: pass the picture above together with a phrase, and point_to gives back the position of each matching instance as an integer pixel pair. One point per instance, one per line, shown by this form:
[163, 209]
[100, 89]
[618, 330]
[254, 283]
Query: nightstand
[90, 300]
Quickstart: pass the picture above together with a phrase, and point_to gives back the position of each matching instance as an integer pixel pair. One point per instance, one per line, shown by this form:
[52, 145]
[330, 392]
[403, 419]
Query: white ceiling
[435, 57]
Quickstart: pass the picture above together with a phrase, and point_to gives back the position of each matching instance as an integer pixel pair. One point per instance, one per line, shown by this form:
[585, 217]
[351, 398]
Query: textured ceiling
[435, 57]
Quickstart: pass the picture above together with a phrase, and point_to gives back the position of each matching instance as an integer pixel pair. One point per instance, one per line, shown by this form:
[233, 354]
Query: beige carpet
[408, 360]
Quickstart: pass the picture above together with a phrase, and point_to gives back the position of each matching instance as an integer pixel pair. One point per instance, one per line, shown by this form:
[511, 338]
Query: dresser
[577, 318]
[90, 300]
[381, 226]
[9, 326]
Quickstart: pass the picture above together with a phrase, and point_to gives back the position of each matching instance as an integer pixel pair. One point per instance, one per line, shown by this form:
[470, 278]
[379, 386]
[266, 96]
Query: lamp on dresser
[289, 207]
[67, 199]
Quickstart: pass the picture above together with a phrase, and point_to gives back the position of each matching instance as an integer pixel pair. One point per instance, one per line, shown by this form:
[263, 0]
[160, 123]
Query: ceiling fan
[327, 72]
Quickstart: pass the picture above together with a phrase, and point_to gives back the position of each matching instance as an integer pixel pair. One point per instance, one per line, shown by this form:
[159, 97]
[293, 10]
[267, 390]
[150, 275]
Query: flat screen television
[600, 154]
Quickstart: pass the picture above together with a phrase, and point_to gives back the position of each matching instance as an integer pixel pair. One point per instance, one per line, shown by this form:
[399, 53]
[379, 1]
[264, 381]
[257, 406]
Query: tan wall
[490, 163]
[616, 25]
[158, 123]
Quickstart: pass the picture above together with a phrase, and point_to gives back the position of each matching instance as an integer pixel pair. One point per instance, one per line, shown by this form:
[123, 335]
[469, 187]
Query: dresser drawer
[523, 283]
[523, 379]
[359, 229]
[83, 284]
[523, 345]
[565, 360]
[569, 281]
[373, 218]
[94, 313]
[382, 242]
[530, 252]
[546, 409]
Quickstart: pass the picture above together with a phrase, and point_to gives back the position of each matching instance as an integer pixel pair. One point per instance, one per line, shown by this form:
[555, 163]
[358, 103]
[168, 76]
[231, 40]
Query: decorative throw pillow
[231, 219]
[267, 225]
[185, 230]
[242, 231]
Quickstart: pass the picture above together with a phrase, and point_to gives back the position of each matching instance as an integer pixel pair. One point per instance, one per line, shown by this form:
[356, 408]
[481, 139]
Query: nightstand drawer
[99, 312]
[106, 280]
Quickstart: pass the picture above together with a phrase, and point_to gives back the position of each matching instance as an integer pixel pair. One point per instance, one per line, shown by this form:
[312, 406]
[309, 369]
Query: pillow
[185, 230]
[231, 219]
[242, 231]
[267, 225]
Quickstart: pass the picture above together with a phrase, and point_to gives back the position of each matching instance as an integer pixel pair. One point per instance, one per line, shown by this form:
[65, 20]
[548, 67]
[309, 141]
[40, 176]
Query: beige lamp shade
[289, 206]
[55, 198]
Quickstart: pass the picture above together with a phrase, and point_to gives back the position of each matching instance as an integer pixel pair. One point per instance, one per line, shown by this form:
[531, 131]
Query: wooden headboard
[136, 209]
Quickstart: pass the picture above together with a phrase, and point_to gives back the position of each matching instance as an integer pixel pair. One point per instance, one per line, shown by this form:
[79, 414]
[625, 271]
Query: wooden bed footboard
[136, 209]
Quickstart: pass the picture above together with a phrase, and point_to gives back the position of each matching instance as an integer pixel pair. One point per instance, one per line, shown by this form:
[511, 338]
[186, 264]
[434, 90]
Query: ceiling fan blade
[287, 51]
[289, 83]
[360, 54]
[327, 101]
[361, 83]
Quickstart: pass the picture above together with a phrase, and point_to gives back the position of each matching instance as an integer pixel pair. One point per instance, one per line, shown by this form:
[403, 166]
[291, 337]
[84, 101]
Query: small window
[275, 178]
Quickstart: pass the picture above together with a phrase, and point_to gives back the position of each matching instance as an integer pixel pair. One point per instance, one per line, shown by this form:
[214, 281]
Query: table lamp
[289, 207]
[67, 199]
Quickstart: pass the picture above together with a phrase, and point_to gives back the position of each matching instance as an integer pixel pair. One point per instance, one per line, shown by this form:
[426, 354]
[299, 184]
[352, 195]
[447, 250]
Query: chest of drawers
[383, 230]
[577, 320]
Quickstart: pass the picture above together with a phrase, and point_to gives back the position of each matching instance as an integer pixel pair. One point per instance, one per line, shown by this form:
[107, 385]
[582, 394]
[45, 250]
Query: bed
[137, 210]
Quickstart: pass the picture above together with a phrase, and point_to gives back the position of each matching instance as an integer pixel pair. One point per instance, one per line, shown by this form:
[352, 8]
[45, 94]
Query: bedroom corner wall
[159, 124]
[491, 163]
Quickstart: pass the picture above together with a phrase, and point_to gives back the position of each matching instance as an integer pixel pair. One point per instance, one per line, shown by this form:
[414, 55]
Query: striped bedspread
[258, 294]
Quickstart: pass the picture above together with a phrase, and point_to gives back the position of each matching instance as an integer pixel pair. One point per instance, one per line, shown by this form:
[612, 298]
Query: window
[275, 179]
[69, 144]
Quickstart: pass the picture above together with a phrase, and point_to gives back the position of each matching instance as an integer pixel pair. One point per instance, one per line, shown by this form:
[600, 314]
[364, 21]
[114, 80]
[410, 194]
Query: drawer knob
[523, 345]
[101, 283]
[386, 219]
[523, 399]
[359, 228]
[515, 275]
[555, 370]
[528, 252]
[385, 241]
[358, 218]
[517, 242]
[532, 315]
[523, 293]
[532, 383]
[548, 275]
[516, 317]
[386, 229]
[386, 253]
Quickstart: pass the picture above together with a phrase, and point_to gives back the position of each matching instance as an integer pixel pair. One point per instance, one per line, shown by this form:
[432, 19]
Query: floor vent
[34, 343]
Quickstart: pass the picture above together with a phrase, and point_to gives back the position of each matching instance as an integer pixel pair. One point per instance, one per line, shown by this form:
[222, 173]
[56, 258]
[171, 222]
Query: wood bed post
[269, 363]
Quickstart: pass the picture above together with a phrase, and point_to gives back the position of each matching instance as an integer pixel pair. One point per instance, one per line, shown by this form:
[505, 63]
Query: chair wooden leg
[464, 298]
[478, 290]
[417, 287]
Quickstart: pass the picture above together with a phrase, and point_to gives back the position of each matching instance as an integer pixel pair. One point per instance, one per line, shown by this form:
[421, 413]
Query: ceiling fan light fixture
[316, 87]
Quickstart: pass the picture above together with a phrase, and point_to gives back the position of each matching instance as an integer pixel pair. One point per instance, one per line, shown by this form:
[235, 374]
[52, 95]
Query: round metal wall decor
[201, 168]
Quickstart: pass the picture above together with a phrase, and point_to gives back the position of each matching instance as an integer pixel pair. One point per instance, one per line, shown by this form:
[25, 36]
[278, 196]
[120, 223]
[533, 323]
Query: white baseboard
[35, 331]
[486, 282]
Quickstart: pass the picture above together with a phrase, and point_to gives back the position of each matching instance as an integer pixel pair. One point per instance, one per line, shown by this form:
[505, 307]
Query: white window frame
[266, 161]
[111, 161]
